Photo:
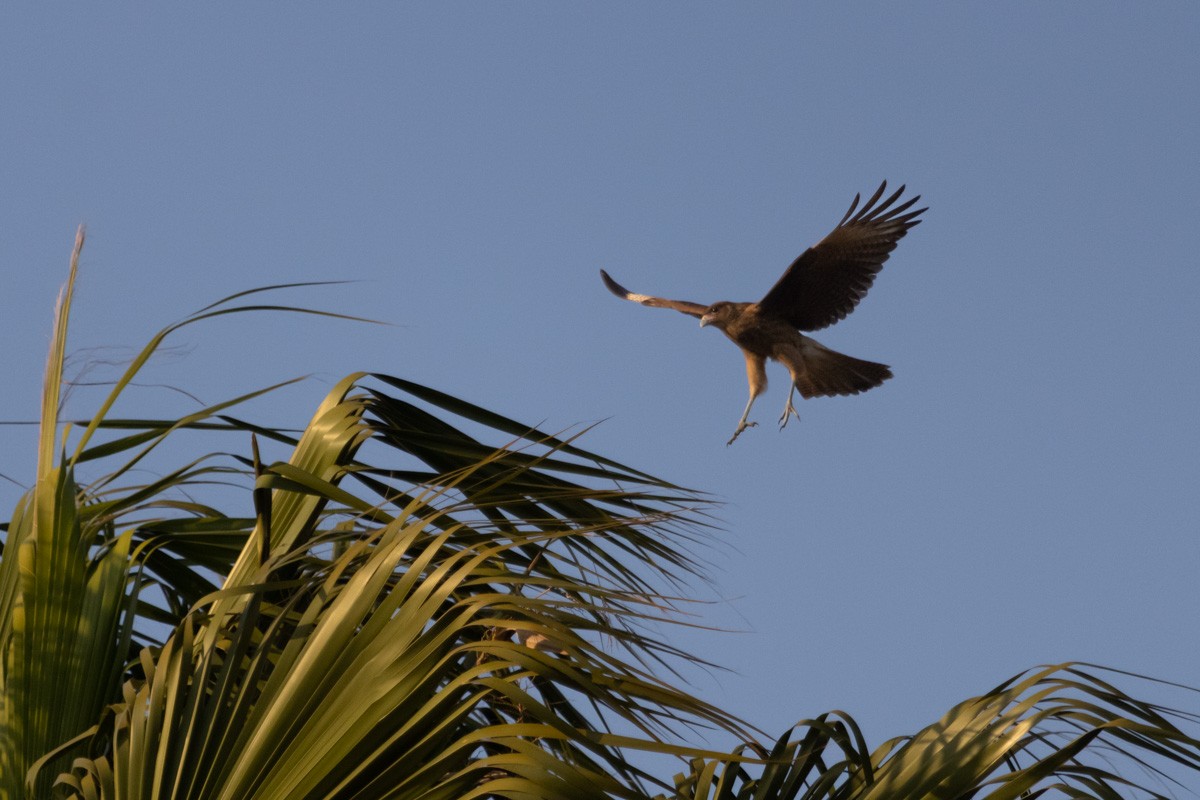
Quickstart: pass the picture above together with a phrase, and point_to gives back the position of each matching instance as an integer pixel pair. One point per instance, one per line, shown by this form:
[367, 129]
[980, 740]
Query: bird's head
[718, 314]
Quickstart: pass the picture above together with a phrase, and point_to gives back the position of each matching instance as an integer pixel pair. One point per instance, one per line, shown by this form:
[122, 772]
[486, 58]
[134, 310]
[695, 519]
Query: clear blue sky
[1027, 488]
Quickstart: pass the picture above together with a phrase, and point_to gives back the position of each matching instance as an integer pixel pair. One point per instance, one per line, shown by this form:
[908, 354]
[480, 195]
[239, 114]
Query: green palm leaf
[520, 566]
[1058, 730]
[434, 654]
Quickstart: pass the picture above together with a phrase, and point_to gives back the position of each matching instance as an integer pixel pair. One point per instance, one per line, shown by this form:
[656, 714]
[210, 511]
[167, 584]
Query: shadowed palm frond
[1058, 731]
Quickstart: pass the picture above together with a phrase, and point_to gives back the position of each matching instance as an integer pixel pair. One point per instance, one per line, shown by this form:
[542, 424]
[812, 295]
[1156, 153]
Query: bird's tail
[821, 372]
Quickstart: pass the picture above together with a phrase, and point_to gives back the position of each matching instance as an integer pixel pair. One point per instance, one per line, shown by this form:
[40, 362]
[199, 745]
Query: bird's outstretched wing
[691, 309]
[826, 282]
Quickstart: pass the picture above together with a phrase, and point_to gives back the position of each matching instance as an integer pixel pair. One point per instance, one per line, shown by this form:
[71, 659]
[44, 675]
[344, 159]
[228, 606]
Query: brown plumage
[821, 286]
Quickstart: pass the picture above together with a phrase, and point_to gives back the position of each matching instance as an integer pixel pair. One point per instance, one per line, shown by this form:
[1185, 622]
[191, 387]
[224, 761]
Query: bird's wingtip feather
[613, 286]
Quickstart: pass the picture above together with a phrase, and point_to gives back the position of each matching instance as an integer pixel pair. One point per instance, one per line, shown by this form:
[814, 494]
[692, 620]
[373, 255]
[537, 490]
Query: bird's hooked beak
[706, 320]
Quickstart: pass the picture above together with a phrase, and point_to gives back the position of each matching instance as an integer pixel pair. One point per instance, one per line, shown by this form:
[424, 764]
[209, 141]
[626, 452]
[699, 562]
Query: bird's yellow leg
[742, 424]
[756, 376]
[789, 410]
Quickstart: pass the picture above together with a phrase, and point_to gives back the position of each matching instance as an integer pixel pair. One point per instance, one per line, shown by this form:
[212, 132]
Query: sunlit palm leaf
[408, 662]
[62, 638]
[1057, 731]
[540, 552]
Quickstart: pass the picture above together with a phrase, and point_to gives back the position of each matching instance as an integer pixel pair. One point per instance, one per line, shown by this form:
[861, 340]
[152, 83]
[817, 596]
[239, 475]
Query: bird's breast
[760, 334]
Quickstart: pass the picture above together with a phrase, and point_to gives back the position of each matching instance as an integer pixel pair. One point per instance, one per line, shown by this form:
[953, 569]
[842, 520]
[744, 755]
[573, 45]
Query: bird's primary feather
[691, 309]
[827, 281]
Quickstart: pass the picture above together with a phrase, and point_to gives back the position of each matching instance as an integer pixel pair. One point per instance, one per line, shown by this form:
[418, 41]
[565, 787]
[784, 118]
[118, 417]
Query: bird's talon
[788, 413]
[741, 427]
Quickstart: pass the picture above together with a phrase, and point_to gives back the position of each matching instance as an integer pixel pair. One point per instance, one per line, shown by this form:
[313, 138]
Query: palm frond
[1056, 731]
[422, 658]
[489, 582]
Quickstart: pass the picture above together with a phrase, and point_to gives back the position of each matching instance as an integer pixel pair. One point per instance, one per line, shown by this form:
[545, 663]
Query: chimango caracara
[821, 287]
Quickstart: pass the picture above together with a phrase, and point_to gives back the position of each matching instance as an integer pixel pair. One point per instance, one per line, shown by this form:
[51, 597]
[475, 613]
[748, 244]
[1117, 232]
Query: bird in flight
[821, 286]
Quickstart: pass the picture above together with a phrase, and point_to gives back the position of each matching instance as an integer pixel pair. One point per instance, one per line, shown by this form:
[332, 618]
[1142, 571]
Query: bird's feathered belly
[764, 336]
